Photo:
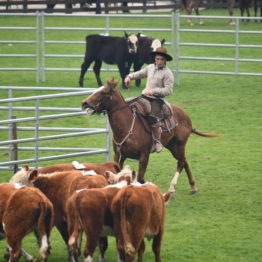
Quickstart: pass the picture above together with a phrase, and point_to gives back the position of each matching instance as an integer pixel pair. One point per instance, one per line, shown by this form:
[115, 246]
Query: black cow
[111, 50]
[146, 45]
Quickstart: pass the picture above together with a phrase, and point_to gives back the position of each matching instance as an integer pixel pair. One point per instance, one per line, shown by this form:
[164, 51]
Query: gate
[12, 144]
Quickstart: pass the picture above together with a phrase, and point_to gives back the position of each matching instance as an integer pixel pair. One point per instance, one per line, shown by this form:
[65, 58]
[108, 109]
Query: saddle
[143, 109]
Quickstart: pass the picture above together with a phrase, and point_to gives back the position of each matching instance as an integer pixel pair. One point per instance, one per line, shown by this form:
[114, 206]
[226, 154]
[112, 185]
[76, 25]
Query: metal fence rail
[42, 43]
[35, 43]
[237, 46]
[8, 145]
[173, 32]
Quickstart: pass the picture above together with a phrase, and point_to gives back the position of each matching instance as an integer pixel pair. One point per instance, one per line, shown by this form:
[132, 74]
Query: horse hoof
[193, 192]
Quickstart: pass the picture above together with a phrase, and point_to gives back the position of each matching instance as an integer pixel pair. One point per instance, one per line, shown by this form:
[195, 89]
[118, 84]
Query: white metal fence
[9, 145]
[42, 30]
[236, 46]
[173, 34]
[107, 30]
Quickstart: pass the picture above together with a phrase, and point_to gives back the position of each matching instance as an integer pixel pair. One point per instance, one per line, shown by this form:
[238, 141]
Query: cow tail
[73, 225]
[129, 248]
[74, 221]
[44, 227]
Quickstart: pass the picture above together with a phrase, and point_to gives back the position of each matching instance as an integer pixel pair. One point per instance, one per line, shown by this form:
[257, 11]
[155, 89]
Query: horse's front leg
[143, 162]
[119, 158]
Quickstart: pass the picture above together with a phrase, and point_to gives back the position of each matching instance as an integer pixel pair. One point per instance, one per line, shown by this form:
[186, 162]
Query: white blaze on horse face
[97, 90]
[132, 43]
[90, 111]
[155, 44]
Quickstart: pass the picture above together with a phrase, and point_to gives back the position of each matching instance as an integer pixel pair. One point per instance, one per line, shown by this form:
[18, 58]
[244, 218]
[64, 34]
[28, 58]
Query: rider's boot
[156, 133]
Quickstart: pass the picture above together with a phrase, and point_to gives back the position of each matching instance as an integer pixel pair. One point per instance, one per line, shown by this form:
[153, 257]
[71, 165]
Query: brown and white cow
[23, 210]
[138, 212]
[99, 168]
[88, 210]
[59, 186]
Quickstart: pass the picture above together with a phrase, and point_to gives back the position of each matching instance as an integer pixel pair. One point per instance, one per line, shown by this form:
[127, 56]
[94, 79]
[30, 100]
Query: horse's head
[100, 99]
[132, 42]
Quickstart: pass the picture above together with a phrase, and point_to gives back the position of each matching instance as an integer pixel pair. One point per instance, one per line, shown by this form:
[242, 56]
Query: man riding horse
[159, 84]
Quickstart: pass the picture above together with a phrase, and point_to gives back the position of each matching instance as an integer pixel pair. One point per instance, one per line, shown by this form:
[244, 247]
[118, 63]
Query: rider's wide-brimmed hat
[163, 52]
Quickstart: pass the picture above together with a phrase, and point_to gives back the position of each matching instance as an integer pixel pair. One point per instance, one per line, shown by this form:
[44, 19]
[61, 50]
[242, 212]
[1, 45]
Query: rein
[130, 132]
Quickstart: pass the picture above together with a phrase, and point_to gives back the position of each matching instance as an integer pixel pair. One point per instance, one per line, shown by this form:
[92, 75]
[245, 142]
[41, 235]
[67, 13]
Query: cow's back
[99, 168]
[55, 187]
[106, 48]
[133, 205]
[6, 190]
[86, 181]
[27, 203]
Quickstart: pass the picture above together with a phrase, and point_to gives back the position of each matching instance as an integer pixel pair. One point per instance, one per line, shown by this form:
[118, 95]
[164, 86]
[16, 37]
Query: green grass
[222, 223]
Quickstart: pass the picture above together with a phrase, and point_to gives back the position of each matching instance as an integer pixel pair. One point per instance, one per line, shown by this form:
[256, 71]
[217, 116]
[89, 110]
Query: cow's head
[156, 43]
[22, 177]
[124, 174]
[132, 42]
[99, 100]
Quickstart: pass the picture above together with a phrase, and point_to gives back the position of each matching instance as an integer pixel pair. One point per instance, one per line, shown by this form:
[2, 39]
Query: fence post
[14, 146]
[237, 47]
[43, 45]
[177, 48]
[173, 39]
[10, 113]
[37, 47]
[37, 105]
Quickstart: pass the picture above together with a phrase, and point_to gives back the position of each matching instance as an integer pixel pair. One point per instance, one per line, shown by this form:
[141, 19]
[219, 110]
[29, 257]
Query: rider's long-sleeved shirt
[160, 80]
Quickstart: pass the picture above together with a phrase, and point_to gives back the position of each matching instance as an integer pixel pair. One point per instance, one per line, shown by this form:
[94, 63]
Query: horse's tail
[203, 133]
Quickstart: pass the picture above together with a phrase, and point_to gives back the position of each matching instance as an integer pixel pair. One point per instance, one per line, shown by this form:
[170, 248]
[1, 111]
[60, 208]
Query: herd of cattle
[98, 200]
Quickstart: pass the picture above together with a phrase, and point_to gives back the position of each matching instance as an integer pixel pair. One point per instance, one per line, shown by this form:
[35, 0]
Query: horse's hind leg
[96, 68]
[178, 151]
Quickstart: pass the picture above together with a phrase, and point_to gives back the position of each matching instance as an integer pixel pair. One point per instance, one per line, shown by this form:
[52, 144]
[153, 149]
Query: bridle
[108, 112]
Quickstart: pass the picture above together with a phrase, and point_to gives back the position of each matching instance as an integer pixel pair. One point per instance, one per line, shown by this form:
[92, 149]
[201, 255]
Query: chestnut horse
[130, 137]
